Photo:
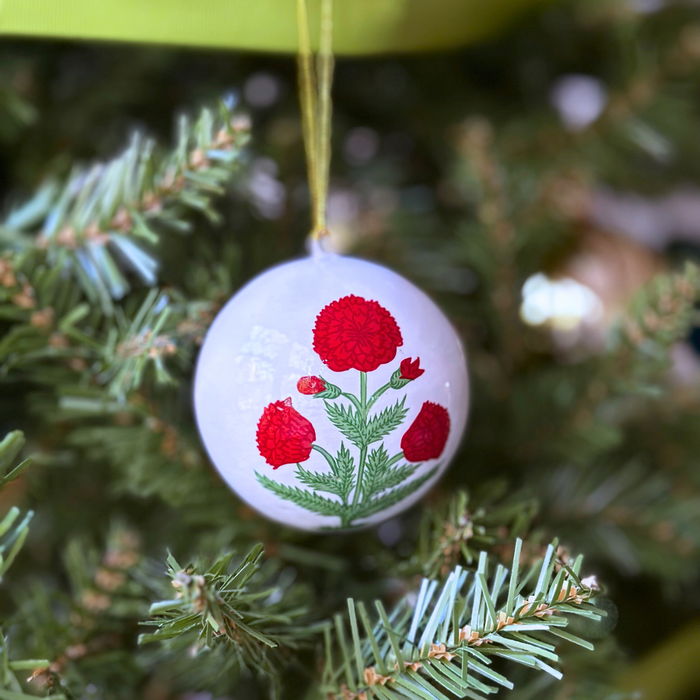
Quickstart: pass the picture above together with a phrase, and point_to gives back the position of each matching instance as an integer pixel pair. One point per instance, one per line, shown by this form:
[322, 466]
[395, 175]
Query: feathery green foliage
[13, 528]
[101, 222]
[258, 613]
[446, 639]
[456, 530]
[463, 172]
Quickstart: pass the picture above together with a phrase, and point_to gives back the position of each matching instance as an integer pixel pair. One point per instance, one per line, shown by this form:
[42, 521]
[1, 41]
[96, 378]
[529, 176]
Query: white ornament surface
[262, 343]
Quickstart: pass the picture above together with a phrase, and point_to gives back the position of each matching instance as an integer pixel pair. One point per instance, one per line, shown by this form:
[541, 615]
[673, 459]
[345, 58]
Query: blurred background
[543, 185]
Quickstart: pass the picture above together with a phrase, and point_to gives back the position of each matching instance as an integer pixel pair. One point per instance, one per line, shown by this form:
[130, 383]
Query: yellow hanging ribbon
[315, 82]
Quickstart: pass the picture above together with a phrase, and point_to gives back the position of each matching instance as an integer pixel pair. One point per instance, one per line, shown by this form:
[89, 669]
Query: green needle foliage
[13, 528]
[58, 289]
[12, 671]
[258, 616]
[456, 530]
[13, 533]
[443, 642]
[465, 173]
[105, 218]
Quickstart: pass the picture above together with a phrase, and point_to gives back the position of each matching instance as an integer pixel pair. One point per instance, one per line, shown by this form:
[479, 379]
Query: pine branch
[57, 336]
[637, 517]
[10, 685]
[102, 220]
[84, 630]
[13, 529]
[151, 456]
[634, 368]
[140, 342]
[445, 641]
[660, 315]
[458, 528]
[66, 341]
[252, 611]
[10, 447]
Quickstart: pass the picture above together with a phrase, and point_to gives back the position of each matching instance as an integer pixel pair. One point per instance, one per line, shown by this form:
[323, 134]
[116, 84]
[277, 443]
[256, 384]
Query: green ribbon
[362, 26]
[316, 108]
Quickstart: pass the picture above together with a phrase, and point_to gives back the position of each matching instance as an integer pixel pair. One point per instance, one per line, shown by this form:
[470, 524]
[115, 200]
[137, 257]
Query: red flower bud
[427, 436]
[311, 385]
[353, 333]
[284, 436]
[411, 370]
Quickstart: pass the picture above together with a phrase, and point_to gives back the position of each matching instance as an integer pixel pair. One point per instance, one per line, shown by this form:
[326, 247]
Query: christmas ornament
[330, 392]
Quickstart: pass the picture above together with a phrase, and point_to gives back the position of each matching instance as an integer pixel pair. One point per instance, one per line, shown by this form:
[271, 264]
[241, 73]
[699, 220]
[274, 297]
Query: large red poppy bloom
[353, 333]
[427, 436]
[284, 436]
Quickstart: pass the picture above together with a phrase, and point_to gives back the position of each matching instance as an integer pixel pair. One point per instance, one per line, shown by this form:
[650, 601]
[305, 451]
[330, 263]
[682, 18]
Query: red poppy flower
[427, 436]
[353, 333]
[311, 385]
[410, 370]
[284, 436]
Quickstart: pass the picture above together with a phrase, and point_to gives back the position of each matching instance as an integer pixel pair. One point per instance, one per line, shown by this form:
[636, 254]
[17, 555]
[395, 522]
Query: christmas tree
[541, 187]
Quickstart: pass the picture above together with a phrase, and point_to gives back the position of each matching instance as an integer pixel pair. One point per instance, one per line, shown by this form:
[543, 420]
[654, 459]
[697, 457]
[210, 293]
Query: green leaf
[377, 465]
[339, 481]
[345, 470]
[318, 481]
[379, 476]
[395, 476]
[348, 421]
[387, 421]
[305, 499]
[375, 505]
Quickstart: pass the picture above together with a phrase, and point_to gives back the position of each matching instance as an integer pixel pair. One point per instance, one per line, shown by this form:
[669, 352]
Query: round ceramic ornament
[331, 393]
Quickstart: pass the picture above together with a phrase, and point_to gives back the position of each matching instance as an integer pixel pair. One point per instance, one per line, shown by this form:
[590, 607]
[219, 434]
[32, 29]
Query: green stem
[377, 394]
[352, 400]
[327, 455]
[360, 476]
[333, 465]
[395, 459]
[363, 451]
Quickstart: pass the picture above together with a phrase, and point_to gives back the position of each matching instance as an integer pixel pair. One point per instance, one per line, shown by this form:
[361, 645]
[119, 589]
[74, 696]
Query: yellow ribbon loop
[315, 82]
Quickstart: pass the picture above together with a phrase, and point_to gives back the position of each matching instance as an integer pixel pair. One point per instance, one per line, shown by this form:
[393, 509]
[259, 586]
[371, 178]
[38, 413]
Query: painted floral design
[311, 385]
[353, 333]
[410, 369]
[427, 436]
[284, 436]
